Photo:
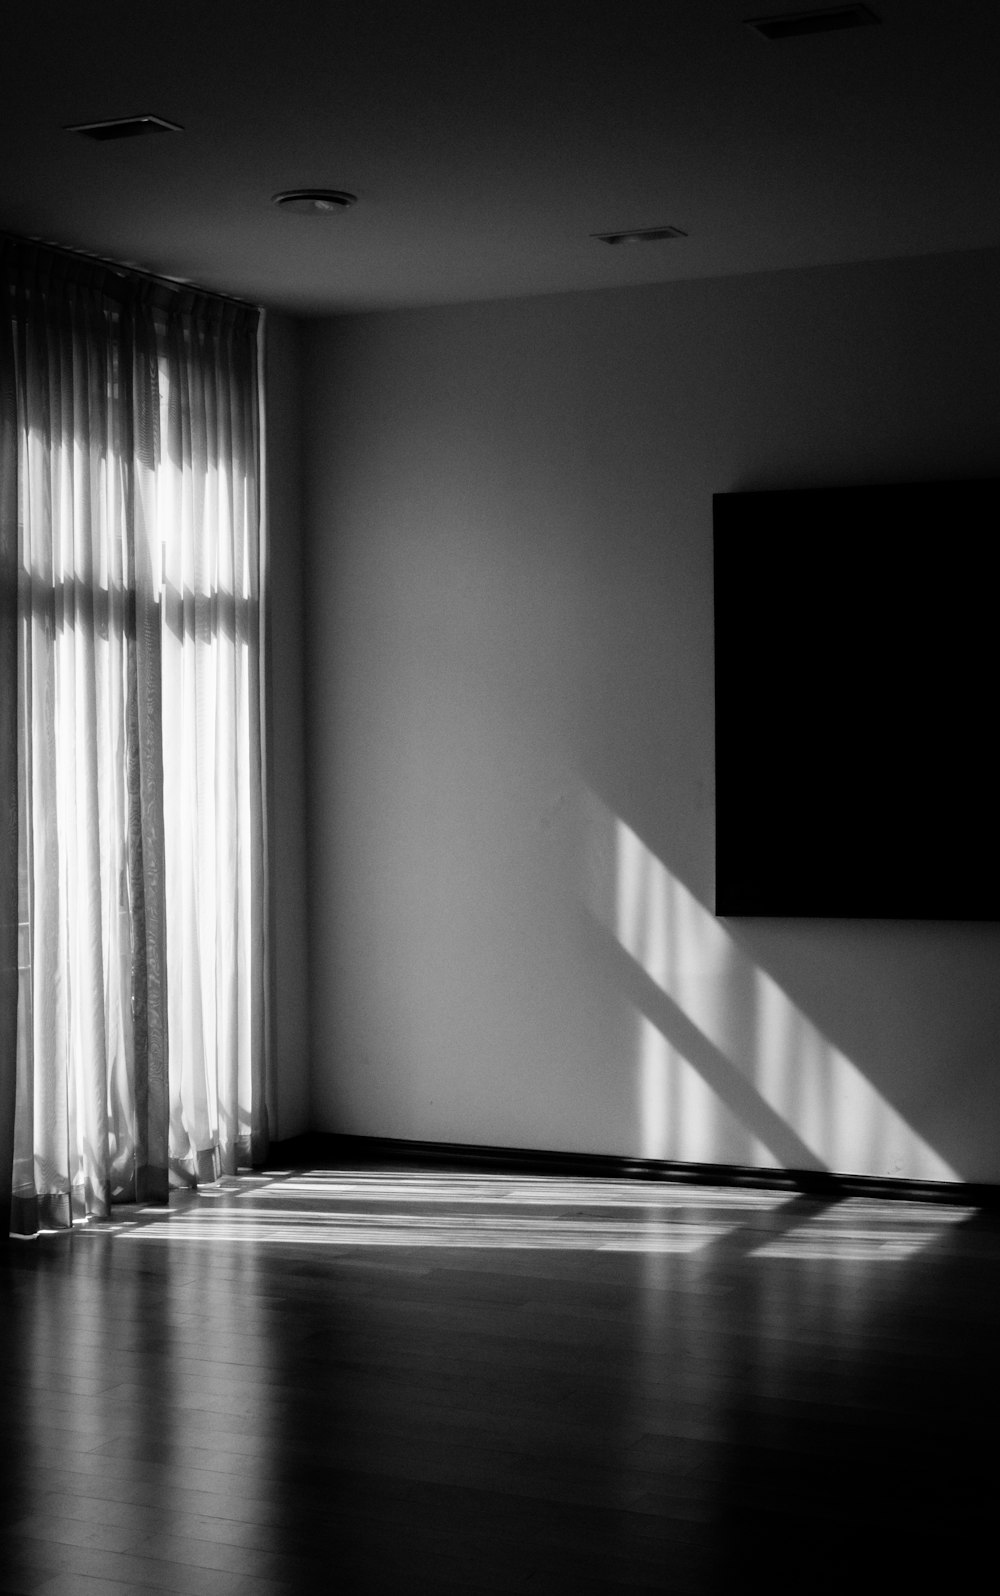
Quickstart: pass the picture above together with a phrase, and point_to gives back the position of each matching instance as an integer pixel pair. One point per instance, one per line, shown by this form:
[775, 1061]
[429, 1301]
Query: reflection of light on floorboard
[466, 1189]
[853, 1244]
[404, 1230]
[345, 1209]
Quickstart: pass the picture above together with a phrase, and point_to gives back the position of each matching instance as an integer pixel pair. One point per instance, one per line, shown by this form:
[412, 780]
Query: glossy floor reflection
[359, 1208]
[365, 1380]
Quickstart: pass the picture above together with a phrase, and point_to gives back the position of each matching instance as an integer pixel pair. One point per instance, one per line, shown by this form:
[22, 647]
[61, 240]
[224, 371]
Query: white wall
[288, 1105]
[509, 709]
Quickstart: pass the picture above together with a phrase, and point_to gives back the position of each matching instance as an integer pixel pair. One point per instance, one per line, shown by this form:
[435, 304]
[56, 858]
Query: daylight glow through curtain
[139, 1027]
[208, 515]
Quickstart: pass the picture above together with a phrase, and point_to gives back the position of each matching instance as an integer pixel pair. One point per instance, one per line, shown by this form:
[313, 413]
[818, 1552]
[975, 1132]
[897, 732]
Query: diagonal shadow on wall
[724, 1057]
[718, 1072]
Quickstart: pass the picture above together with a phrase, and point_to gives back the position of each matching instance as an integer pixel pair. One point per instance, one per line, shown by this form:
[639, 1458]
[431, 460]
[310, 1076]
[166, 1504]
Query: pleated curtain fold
[8, 773]
[131, 922]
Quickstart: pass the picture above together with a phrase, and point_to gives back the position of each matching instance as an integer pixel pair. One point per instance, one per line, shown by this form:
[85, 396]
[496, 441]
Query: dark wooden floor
[409, 1382]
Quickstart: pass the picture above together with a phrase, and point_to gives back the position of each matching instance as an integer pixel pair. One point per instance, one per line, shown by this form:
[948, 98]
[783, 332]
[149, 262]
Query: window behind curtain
[140, 1029]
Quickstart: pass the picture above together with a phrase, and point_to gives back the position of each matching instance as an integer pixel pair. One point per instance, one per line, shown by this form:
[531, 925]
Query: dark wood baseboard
[332, 1151]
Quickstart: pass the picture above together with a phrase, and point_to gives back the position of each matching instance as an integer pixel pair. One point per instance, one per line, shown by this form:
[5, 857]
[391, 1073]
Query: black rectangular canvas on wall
[857, 677]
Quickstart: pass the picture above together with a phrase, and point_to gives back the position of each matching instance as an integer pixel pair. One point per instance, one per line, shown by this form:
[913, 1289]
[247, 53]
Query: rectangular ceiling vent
[642, 235]
[803, 24]
[124, 127]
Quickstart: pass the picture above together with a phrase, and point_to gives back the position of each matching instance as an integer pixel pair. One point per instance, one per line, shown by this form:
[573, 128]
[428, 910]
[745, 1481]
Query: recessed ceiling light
[124, 127]
[640, 235]
[803, 24]
[313, 201]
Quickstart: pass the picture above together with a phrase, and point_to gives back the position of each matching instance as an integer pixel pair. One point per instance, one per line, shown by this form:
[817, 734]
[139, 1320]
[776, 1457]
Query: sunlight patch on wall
[804, 1085]
[678, 1109]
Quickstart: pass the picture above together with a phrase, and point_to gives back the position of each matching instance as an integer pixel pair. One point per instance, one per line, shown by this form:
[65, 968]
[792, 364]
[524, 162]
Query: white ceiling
[487, 141]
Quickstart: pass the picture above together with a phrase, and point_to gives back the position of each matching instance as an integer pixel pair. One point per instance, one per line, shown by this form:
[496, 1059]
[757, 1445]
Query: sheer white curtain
[209, 521]
[139, 1028]
[8, 771]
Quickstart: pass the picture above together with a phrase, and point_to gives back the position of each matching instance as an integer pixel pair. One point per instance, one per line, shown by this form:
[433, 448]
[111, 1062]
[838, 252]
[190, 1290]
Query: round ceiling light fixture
[313, 201]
